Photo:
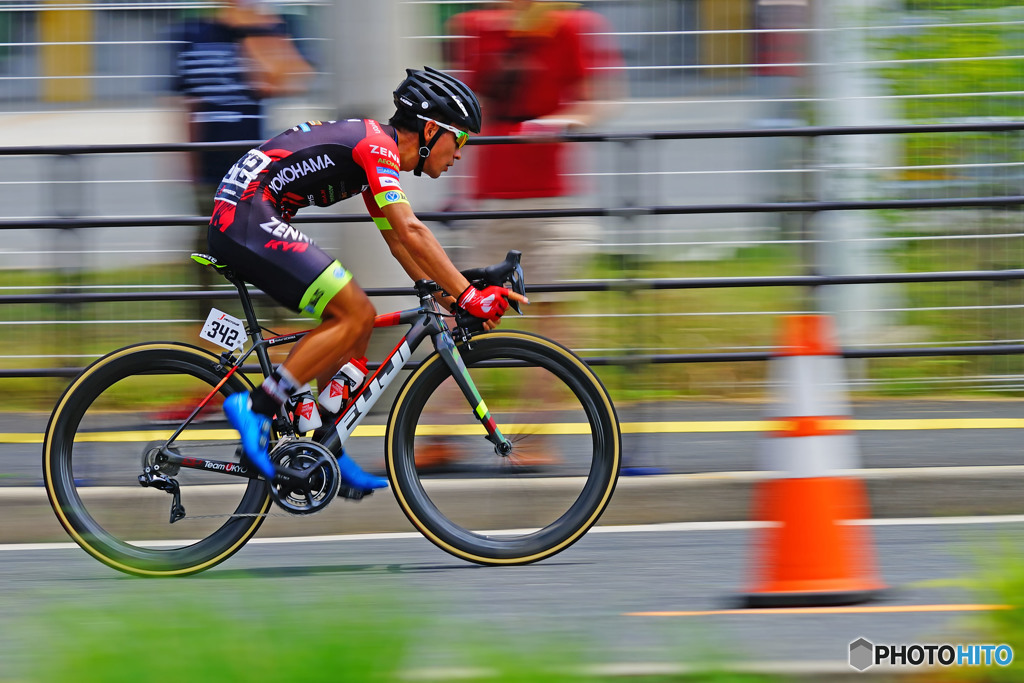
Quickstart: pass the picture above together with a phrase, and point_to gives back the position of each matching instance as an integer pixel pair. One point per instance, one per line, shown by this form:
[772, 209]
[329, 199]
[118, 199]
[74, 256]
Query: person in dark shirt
[320, 163]
[226, 65]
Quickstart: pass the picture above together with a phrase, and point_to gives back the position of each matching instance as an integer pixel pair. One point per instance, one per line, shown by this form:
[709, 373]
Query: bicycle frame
[426, 322]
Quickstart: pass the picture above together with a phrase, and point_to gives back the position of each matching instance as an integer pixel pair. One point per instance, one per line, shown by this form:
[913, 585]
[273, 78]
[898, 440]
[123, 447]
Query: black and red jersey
[317, 163]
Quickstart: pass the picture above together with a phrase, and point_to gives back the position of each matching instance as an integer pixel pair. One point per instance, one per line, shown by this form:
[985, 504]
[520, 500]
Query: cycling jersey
[315, 163]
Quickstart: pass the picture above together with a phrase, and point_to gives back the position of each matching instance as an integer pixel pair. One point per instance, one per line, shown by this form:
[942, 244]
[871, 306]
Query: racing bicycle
[117, 467]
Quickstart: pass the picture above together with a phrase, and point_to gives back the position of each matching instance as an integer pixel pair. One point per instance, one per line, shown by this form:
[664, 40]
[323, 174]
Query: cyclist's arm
[410, 265]
[411, 242]
[418, 251]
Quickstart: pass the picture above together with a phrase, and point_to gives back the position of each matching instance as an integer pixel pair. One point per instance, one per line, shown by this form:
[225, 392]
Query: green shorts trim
[324, 287]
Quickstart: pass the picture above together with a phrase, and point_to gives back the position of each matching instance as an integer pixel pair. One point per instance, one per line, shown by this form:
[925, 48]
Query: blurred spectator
[226, 64]
[781, 50]
[541, 69]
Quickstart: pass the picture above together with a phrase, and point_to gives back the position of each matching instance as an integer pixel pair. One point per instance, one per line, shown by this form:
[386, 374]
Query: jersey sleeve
[375, 213]
[377, 154]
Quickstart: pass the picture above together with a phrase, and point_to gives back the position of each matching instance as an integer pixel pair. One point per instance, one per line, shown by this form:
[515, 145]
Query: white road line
[631, 529]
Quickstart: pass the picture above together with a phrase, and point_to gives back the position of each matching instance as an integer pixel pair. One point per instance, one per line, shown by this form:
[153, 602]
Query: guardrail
[805, 281]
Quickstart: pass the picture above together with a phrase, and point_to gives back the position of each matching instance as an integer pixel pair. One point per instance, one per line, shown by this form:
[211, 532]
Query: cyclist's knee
[351, 305]
[365, 312]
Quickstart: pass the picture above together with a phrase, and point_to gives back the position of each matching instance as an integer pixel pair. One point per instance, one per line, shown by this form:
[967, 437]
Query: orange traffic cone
[809, 554]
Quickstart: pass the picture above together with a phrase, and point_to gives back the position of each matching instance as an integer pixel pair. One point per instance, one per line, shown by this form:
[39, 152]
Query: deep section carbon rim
[531, 504]
[118, 410]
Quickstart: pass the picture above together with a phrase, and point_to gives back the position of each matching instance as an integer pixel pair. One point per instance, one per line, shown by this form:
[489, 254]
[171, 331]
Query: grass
[1000, 581]
[224, 631]
[230, 635]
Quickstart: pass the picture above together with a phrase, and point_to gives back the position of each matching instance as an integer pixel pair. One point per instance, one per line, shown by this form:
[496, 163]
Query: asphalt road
[654, 598]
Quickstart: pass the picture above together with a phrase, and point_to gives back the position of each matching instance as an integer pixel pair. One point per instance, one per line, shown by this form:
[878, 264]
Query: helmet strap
[425, 147]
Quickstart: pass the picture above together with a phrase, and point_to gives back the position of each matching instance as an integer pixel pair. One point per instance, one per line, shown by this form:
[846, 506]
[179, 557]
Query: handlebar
[508, 273]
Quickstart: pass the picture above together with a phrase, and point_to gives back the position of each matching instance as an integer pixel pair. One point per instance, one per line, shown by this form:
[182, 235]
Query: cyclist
[322, 163]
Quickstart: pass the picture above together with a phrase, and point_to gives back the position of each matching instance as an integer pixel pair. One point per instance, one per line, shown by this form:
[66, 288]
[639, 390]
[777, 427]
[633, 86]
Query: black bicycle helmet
[437, 95]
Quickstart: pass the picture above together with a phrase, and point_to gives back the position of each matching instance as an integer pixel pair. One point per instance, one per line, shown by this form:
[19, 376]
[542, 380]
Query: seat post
[252, 322]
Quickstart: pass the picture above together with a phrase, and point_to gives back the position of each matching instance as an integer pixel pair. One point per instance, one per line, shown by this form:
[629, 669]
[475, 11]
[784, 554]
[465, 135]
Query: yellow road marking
[910, 424]
[849, 609]
[667, 427]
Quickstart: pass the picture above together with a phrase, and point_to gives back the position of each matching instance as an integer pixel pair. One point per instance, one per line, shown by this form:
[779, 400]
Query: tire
[93, 454]
[497, 510]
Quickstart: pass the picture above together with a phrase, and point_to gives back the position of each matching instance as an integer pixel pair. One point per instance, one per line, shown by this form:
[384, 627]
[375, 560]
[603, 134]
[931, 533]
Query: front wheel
[517, 508]
[107, 427]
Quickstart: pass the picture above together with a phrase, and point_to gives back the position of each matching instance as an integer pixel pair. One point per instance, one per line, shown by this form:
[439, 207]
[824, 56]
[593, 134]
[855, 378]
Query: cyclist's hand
[489, 303]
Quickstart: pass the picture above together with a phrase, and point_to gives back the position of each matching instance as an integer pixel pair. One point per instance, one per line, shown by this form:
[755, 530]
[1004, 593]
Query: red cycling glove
[488, 303]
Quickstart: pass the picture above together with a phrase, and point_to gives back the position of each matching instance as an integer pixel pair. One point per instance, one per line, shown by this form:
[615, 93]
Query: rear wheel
[107, 427]
[530, 504]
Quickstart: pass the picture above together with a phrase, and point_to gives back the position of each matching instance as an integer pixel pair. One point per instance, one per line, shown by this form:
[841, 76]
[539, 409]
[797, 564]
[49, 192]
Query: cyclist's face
[445, 153]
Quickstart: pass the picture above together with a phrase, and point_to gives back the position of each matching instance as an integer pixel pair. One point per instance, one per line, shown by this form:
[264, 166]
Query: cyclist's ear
[430, 129]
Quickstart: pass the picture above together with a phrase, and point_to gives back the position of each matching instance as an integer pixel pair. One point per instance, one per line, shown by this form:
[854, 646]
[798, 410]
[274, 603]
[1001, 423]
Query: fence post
[66, 179]
[633, 464]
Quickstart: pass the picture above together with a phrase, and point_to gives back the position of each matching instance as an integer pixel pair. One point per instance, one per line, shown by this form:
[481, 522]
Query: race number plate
[224, 330]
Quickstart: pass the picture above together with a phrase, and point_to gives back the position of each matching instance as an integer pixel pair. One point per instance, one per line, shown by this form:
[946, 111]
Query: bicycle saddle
[207, 260]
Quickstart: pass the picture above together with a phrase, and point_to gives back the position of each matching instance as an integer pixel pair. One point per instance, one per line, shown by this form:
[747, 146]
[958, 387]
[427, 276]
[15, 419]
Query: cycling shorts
[255, 241]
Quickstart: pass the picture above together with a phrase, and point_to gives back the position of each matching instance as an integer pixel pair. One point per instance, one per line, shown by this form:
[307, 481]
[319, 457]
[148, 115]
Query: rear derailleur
[164, 483]
[157, 471]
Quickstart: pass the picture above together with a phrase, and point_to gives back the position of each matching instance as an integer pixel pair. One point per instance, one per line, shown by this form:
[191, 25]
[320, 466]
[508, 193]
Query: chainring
[319, 481]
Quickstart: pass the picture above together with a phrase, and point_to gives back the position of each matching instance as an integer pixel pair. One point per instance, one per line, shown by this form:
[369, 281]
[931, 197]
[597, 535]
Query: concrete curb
[726, 496]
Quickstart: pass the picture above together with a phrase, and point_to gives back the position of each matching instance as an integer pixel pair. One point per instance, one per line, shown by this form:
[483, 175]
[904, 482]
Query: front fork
[446, 348]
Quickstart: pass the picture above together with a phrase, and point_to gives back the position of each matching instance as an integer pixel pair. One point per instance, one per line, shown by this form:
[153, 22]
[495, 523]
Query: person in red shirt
[540, 69]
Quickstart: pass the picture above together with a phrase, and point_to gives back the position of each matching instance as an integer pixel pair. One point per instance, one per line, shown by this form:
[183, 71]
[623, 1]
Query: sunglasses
[461, 136]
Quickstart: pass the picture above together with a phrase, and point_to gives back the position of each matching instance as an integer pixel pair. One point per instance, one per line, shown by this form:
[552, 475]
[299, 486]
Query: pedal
[352, 493]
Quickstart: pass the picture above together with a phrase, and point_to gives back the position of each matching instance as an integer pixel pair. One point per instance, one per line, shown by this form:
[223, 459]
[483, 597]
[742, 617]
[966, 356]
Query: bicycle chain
[244, 514]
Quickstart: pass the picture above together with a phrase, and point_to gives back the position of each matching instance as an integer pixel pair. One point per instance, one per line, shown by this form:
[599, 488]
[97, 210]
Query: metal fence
[939, 199]
[640, 312]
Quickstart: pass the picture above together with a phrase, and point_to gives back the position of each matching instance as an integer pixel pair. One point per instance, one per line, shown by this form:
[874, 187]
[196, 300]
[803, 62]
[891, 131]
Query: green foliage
[1000, 582]
[939, 67]
[638, 321]
[249, 629]
[225, 635]
[956, 5]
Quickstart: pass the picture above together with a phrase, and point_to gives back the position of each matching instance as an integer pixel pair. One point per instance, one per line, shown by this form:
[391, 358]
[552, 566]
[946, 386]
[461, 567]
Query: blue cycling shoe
[356, 477]
[255, 431]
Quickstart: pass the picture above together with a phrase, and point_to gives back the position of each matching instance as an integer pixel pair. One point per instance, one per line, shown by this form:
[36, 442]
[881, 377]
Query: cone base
[810, 599]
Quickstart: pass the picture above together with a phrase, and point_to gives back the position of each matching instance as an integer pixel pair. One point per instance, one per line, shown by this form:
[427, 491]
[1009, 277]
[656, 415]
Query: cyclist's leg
[289, 267]
[347, 322]
[344, 333]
